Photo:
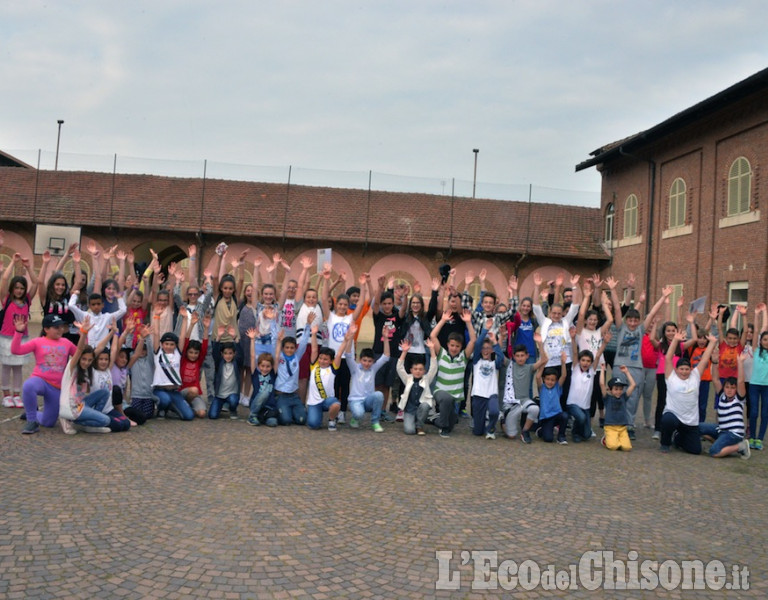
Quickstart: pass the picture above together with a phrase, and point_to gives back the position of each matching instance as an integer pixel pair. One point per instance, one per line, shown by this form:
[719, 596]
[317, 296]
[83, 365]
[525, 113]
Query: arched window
[677, 195]
[609, 223]
[739, 186]
[630, 216]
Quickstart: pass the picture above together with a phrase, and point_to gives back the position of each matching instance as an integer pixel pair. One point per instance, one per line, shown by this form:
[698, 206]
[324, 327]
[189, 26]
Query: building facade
[393, 234]
[681, 203]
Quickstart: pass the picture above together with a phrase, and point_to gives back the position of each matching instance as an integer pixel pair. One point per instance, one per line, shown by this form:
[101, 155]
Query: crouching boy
[416, 401]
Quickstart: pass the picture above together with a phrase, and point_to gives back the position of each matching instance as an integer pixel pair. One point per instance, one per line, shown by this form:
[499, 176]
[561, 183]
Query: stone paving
[221, 509]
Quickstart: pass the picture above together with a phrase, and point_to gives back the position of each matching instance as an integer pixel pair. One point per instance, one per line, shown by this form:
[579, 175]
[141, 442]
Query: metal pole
[58, 139]
[474, 179]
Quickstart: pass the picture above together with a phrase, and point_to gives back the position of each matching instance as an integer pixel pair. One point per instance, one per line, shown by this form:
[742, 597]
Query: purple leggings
[34, 387]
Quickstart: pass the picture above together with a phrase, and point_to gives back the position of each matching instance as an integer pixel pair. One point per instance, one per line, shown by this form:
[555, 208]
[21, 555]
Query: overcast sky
[402, 88]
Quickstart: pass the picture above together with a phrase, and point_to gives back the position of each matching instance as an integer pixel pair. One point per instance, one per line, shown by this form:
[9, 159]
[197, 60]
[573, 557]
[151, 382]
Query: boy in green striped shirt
[451, 364]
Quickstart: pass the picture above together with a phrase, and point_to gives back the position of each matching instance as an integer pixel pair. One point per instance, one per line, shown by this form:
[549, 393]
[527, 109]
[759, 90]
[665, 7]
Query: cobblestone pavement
[221, 509]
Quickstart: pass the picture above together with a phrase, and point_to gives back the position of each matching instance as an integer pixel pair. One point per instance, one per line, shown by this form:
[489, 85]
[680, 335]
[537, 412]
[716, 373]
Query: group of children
[130, 338]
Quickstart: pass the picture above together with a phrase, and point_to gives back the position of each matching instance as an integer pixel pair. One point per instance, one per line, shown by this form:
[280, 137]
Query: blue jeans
[758, 403]
[722, 439]
[290, 409]
[703, 399]
[91, 415]
[215, 410]
[582, 428]
[688, 438]
[166, 398]
[481, 406]
[372, 403]
[315, 412]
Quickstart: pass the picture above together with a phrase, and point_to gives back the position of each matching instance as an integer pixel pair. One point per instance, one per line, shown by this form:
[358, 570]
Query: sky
[338, 88]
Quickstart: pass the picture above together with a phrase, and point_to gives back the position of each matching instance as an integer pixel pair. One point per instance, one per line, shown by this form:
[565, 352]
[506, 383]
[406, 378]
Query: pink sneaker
[18, 402]
[399, 417]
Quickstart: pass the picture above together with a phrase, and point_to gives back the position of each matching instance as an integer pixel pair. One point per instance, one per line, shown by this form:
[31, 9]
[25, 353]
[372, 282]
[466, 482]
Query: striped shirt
[730, 414]
[450, 373]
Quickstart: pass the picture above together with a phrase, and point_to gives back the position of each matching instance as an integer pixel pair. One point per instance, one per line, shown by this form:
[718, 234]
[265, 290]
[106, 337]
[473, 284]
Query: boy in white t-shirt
[580, 393]
[324, 364]
[487, 359]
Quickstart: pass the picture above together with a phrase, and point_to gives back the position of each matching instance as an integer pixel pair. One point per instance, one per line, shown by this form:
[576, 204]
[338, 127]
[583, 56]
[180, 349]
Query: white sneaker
[67, 426]
[399, 417]
[8, 402]
[490, 436]
[744, 451]
[244, 400]
[340, 418]
[91, 429]
[656, 435]
[18, 402]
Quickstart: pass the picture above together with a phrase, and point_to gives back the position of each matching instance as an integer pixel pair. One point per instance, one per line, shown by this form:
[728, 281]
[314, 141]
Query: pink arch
[547, 273]
[403, 262]
[339, 264]
[495, 276]
[234, 250]
[15, 243]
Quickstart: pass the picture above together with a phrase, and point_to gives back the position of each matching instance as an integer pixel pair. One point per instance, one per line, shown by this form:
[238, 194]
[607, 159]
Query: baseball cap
[53, 321]
[615, 381]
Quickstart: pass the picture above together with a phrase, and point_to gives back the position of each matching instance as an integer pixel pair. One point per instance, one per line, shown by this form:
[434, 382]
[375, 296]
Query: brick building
[406, 235]
[681, 201]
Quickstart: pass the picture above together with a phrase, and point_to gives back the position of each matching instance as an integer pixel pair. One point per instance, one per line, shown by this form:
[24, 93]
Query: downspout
[651, 203]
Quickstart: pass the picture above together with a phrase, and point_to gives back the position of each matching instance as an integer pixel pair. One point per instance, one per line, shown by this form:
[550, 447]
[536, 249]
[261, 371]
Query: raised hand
[436, 281]
[466, 315]
[46, 257]
[596, 280]
[207, 321]
[130, 256]
[631, 280]
[20, 323]
[76, 256]
[667, 291]
[311, 318]
[560, 279]
[405, 345]
[327, 268]
[252, 333]
[575, 280]
[469, 278]
[483, 274]
[257, 261]
[306, 262]
[512, 286]
[192, 251]
[92, 250]
[121, 255]
[361, 280]
[611, 282]
[183, 312]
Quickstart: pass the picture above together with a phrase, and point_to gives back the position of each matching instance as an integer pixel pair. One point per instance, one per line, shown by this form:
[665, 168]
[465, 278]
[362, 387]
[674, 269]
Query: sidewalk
[221, 509]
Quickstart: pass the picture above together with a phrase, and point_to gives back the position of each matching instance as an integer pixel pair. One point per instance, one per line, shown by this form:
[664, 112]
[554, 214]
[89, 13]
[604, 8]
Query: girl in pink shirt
[51, 355]
[15, 297]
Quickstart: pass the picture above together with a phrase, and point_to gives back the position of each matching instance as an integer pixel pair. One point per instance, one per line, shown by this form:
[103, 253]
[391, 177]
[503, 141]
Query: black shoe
[23, 416]
[444, 433]
[30, 428]
[602, 422]
[631, 434]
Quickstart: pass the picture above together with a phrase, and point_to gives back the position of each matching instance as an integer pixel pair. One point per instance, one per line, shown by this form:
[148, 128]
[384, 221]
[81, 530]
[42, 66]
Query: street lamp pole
[474, 179]
[58, 140]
